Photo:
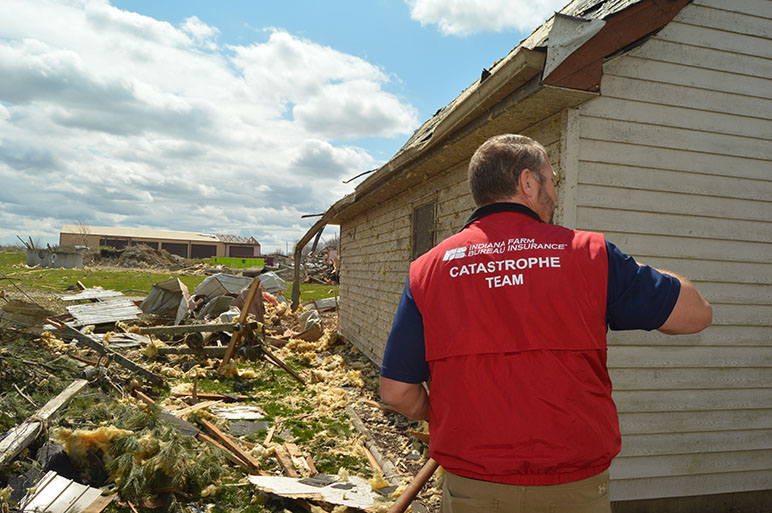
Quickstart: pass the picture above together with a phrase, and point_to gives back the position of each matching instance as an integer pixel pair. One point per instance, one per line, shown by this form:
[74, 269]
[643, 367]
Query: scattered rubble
[180, 409]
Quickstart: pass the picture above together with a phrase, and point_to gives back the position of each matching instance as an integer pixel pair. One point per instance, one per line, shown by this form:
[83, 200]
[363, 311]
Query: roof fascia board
[584, 67]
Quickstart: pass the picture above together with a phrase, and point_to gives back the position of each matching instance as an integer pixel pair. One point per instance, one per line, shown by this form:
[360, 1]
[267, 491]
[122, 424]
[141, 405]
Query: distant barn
[657, 117]
[183, 244]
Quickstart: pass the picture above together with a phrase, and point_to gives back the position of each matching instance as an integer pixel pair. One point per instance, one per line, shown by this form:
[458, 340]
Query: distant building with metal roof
[183, 244]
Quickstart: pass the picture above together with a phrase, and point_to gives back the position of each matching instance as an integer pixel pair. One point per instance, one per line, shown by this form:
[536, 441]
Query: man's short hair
[495, 168]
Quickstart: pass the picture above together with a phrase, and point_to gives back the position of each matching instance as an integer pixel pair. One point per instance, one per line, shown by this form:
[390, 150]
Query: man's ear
[528, 184]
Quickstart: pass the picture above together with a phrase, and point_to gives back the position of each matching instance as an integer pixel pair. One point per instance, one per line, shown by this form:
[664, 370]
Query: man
[509, 317]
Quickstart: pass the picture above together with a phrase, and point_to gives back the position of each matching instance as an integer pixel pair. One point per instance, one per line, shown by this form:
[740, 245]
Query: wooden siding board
[728, 18]
[706, 58]
[720, 39]
[601, 219]
[679, 486]
[644, 246]
[626, 379]
[687, 357]
[716, 335]
[691, 464]
[658, 136]
[691, 443]
[631, 163]
[680, 117]
[759, 8]
[612, 197]
[658, 93]
[693, 400]
[642, 423]
[696, 78]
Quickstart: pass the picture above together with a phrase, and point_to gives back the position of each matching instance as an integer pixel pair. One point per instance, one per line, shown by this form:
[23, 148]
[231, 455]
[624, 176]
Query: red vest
[514, 314]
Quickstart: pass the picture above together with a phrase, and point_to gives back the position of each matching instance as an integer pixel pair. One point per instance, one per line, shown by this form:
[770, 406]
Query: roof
[538, 40]
[558, 66]
[108, 231]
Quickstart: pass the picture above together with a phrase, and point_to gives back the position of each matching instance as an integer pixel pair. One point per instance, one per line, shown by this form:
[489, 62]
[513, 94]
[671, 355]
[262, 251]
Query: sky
[234, 117]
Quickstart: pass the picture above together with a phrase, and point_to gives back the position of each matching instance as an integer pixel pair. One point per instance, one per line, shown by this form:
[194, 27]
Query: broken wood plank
[207, 396]
[269, 435]
[372, 461]
[90, 342]
[420, 435]
[388, 468]
[230, 444]
[228, 454]
[242, 317]
[209, 351]
[285, 461]
[378, 405]
[17, 439]
[298, 459]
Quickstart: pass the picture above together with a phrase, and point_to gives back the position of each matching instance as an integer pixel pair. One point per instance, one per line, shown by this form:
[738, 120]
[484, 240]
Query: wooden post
[243, 317]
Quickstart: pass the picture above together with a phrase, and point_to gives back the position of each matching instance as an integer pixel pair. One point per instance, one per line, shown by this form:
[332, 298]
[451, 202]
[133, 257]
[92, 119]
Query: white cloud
[108, 116]
[202, 34]
[464, 17]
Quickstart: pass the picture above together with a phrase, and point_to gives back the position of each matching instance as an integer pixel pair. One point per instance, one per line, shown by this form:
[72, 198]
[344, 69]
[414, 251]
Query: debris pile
[220, 398]
[141, 255]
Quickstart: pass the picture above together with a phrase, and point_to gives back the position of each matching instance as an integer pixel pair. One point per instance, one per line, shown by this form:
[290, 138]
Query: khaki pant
[464, 495]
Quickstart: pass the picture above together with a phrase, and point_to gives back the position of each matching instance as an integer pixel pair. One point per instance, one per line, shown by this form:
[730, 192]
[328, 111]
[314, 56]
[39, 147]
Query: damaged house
[657, 118]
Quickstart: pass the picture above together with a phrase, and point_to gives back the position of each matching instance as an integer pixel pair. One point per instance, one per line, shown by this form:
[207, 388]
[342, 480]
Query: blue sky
[228, 117]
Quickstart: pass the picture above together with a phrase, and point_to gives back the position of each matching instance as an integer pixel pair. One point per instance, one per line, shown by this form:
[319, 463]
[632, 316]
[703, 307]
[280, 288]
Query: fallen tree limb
[17, 439]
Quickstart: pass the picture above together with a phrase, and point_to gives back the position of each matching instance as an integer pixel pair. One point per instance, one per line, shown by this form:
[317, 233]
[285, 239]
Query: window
[423, 229]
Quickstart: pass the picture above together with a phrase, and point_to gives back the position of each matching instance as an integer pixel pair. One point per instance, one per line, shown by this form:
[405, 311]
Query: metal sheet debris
[104, 312]
[56, 494]
[167, 295]
[222, 284]
[360, 495]
[238, 412]
[92, 294]
[273, 284]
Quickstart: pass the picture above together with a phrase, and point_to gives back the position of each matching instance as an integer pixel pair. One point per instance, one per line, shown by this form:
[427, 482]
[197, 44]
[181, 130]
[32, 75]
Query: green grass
[57, 280]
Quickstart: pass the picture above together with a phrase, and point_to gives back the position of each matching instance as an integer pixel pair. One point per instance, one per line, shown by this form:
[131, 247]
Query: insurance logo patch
[455, 253]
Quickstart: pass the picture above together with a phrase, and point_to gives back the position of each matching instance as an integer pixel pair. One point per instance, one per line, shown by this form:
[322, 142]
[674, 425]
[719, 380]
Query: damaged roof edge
[516, 69]
[523, 67]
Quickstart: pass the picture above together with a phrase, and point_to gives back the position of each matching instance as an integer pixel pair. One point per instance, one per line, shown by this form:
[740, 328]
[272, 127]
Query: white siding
[675, 167]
